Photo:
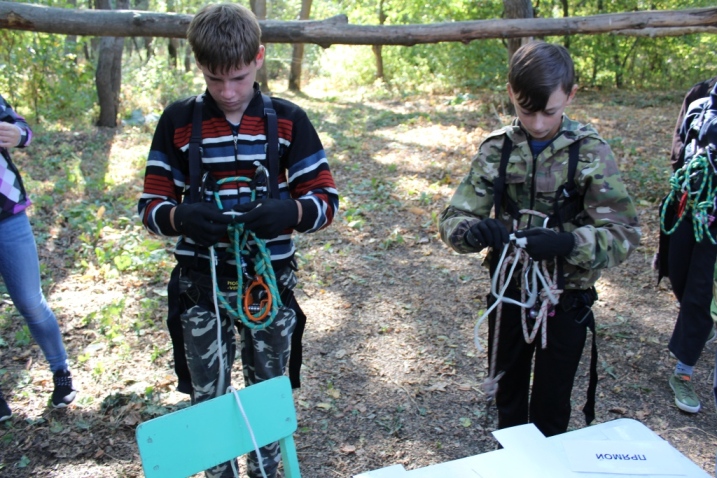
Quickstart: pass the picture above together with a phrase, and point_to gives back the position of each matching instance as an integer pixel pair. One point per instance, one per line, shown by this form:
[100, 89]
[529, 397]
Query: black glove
[203, 222]
[267, 218]
[487, 233]
[543, 243]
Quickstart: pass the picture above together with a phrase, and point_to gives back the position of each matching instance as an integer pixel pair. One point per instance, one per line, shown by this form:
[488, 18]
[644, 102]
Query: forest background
[399, 139]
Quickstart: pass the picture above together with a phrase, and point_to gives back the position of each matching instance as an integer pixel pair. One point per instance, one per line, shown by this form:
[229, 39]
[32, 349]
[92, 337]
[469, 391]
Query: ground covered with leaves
[391, 372]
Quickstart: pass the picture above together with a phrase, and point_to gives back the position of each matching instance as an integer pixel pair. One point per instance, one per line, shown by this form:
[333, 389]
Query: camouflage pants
[264, 354]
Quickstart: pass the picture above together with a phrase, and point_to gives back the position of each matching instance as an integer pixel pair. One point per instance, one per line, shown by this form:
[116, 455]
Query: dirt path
[391, 373]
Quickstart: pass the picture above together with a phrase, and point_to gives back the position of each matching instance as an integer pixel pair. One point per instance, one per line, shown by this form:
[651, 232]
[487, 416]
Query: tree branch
[336, 30]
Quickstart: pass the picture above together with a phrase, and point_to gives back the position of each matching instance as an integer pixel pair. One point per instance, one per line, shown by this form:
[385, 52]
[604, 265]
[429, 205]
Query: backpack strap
[566, 197]
[195, 155]
[499, 183]
[272, 146]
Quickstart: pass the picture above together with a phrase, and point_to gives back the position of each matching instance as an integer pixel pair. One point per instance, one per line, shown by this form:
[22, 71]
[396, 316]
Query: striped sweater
[304, 172]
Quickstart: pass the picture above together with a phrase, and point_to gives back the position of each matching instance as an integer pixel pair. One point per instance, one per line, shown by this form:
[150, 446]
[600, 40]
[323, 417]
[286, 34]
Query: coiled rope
[535, 275]
[694, 190]
[240, 239]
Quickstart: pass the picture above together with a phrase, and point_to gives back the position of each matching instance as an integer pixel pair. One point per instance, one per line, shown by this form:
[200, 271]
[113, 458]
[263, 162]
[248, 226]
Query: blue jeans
[20, 269]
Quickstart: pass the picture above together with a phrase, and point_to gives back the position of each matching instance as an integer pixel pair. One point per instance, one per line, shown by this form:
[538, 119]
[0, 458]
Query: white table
[528, 453]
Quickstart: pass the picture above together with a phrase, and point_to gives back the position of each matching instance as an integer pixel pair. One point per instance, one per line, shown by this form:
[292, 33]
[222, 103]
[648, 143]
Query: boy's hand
[203, 222]
[543, 243]
[267, 218]
[487, 233]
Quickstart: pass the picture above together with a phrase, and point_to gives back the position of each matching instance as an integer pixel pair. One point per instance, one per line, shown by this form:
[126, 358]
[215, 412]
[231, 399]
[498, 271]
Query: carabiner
[257, 300]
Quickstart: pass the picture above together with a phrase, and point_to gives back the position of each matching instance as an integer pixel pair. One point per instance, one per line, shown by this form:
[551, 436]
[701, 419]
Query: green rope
[700, 197]
[239, 238]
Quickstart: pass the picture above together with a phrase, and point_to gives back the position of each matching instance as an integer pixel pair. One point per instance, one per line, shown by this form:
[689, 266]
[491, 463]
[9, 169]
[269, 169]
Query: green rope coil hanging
[692, 187]
[239, 239]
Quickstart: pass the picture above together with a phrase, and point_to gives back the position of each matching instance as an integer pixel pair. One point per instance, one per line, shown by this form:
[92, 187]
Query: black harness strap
[589, 408]
[566, 204]
[195, 154]
[272, 149]
[567, 201]
[499, 194]
[272, 146]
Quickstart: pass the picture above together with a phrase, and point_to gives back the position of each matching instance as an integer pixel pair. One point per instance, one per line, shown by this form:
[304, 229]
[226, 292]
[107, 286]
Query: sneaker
[5, 412]
[685, 397]
[64, 392]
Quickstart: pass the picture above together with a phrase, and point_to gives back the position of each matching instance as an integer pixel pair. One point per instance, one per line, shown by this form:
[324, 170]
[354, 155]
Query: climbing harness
[539, 295]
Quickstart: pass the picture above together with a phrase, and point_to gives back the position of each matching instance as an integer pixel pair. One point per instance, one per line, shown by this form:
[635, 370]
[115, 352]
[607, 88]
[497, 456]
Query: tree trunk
[146, 41]
[297, 56]
[173, 43]
[331, 31]
[378, 55]
[71, 40]
[108, 77]
[173, 52]
[259, 9]
[188, 57]
[377, 48]
[566, 14]
[515, 9]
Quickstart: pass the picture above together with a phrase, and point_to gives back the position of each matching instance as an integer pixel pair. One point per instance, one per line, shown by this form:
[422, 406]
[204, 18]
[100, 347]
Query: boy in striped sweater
[235, 190]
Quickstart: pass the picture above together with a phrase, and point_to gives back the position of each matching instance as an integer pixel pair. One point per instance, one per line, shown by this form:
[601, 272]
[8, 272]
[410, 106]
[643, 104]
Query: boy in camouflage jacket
[602, 233]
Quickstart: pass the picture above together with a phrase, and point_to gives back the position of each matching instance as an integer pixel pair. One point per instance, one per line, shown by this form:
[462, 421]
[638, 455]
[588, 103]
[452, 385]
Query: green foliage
[619, 61]
[51, 77]
[109, 322]
[606, 60]
[46, 76]
[424, 67]
[150, 85]
[23, 337]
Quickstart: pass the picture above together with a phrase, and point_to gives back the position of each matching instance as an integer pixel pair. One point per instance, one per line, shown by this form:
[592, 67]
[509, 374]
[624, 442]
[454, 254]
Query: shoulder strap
[195, 155]
[272, 146]
[569, 188]
[566, 197]
[499, 182]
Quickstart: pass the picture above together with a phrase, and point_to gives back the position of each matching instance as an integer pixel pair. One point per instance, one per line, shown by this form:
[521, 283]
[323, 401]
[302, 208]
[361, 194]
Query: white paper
[533, 452]
[622, 457]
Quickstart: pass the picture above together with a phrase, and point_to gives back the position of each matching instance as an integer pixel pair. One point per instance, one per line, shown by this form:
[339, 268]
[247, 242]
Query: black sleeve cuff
[309, 214]
[161, 218]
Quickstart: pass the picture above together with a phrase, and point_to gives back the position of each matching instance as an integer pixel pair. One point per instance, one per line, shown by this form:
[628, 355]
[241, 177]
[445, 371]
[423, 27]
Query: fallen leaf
[437, 387]
[348, 449]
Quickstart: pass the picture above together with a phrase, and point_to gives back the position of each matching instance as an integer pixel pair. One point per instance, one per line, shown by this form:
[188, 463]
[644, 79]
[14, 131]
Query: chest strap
[567, 201]
[195, 151]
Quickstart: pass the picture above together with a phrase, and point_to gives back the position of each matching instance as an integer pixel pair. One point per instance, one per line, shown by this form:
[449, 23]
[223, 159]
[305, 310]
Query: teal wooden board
[191, 440]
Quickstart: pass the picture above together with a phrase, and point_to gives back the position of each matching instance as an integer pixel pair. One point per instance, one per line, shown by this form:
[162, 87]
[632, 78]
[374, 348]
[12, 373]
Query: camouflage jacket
[606, 228]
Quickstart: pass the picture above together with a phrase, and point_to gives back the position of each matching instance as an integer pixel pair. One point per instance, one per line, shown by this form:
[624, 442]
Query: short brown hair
[536, 70]
[224, 36]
